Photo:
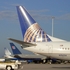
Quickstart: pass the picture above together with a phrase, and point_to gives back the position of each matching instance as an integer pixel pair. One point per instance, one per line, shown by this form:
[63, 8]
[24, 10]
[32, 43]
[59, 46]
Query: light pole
[52, 25]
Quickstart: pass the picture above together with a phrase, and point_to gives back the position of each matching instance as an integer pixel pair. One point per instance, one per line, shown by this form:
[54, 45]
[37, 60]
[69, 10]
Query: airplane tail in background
[8, 55]
[7, 52]
[15, 50]
[31, 31]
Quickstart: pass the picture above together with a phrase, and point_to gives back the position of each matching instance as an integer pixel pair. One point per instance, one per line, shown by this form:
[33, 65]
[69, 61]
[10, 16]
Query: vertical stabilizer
[15, 50]
[7, 52]
[31, 31]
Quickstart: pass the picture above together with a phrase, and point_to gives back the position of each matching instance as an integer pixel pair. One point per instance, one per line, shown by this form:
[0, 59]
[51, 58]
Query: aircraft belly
[57, 55]
[60, 56]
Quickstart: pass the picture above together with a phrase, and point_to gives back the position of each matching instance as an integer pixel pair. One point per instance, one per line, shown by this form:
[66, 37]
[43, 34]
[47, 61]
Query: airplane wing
[24, 44]
[29, 57]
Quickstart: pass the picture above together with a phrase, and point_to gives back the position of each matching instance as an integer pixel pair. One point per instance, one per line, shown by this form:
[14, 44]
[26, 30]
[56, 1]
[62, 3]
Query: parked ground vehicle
[9, 65]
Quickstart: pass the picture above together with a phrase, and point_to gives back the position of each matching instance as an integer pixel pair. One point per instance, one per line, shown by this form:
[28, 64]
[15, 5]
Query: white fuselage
[59, 50]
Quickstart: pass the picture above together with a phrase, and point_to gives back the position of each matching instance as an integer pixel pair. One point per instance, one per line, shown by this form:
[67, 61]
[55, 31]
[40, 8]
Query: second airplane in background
[17, 55]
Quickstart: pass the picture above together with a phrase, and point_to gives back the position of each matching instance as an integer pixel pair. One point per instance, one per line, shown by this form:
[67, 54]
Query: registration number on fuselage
[62, 55]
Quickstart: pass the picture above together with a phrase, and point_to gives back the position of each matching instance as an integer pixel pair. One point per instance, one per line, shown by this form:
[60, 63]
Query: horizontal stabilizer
[25, 44]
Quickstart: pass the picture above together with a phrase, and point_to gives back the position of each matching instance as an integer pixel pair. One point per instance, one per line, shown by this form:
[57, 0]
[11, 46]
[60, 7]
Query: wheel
[8, 68]
[44, 61]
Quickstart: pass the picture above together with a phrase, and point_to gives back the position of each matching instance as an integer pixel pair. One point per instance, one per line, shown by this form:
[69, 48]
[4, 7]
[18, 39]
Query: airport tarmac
[45, 67]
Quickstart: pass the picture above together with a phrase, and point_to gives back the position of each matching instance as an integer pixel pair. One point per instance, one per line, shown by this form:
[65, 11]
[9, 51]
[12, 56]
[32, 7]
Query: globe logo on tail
[35, 34]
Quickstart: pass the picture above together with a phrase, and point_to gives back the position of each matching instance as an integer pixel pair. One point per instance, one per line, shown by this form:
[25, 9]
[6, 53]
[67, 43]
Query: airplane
[34, 57]
[8, 55]
[37, 41]
[19, 56]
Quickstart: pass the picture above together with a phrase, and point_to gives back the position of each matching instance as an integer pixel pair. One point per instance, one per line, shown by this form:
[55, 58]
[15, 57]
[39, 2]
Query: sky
[42, 11]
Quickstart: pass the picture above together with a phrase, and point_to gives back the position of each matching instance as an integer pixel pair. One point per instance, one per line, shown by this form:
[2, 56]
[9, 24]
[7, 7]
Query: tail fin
[7, 52]
[31, 31]
[15, 50]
